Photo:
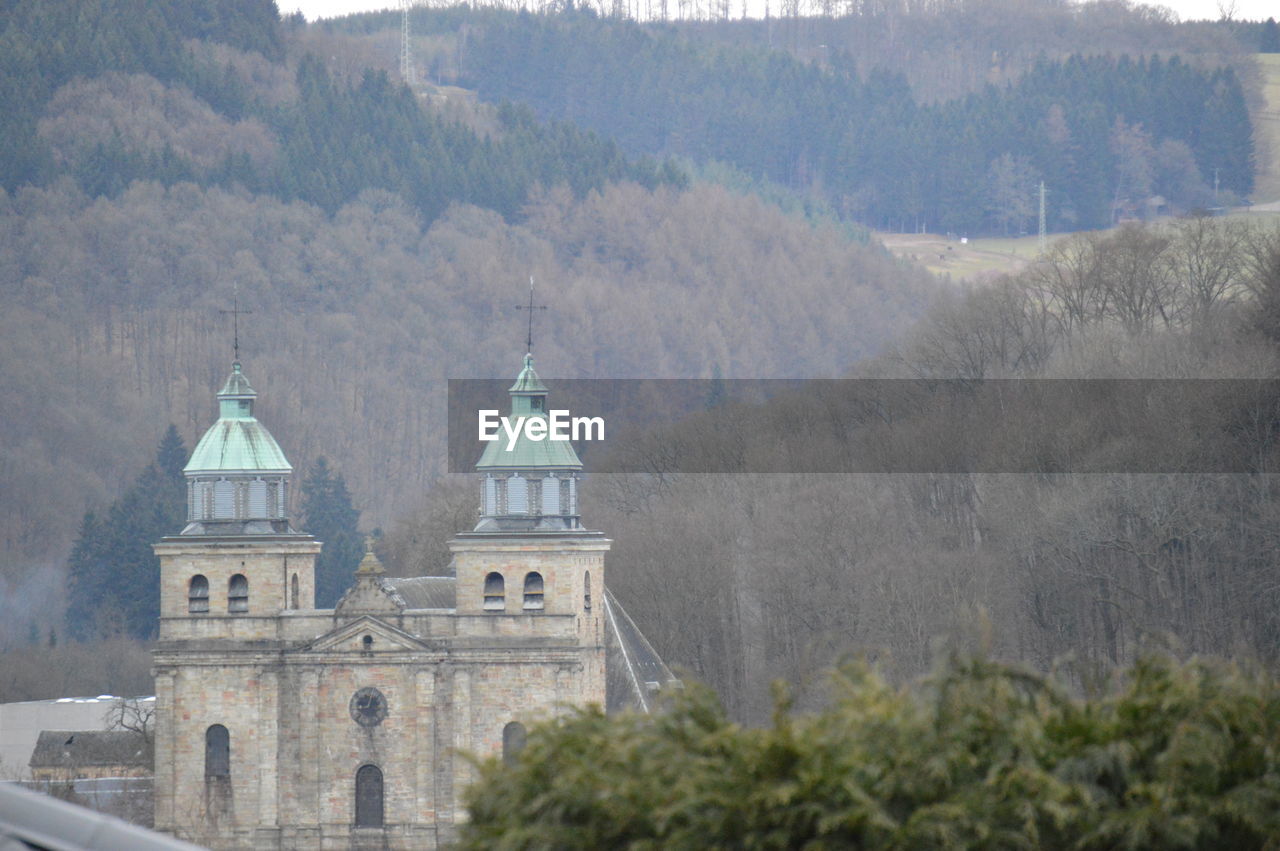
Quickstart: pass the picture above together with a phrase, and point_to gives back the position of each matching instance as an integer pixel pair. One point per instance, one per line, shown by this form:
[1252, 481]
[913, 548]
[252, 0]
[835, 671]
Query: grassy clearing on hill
[974, 260]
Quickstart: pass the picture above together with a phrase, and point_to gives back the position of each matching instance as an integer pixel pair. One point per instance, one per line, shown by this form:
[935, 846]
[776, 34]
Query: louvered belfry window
[198, 595]
[533, 590]
[238, 594]
[494, 595]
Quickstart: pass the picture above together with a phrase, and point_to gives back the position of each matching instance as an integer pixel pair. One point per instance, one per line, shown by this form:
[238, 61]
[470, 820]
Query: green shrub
[981, 755]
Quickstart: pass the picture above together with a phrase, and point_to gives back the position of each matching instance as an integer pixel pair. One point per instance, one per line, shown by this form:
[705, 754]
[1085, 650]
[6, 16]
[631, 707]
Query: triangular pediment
[350, 638]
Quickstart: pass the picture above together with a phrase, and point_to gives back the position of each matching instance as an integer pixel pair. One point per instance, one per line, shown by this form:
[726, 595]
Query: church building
[280, 725]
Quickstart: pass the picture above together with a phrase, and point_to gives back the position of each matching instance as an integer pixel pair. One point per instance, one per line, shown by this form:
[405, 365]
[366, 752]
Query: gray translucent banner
[667, 426]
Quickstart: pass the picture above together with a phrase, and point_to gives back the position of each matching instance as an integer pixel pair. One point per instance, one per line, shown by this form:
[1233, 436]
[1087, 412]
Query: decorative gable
[370, 593]
[366, 634]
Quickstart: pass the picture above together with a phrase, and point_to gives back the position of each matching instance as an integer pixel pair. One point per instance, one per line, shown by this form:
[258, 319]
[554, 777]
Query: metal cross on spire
[531, 307]
[235, 312]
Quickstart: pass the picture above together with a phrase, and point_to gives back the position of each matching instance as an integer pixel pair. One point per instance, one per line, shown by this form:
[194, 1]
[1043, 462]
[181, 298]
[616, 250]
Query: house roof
[84, 748]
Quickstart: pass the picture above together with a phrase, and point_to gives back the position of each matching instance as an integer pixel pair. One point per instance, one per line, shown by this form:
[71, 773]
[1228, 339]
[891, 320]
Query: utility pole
[1215, 185]
[1042, 228]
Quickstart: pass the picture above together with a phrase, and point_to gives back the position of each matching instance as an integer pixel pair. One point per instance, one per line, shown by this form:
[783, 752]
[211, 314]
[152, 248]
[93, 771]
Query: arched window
[369, 796]
[513, 739]
[217, 753]
[494, 595]
[198, 595]
[293, 591]
[586, 591]
[533, 590]
[238, 594]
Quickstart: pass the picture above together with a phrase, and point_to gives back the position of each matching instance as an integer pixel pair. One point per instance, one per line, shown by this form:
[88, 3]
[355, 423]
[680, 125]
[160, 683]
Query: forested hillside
[146, 103]
[1104, 133]
[793, 571]
[158, 160]
[170, 154]
[112, 326]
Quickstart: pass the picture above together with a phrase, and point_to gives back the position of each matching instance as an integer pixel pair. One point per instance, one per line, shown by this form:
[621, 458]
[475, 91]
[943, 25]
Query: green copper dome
[528, 399]
[237, 442]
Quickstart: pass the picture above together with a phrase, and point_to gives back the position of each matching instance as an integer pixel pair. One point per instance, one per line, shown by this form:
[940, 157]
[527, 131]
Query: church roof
[527, 381]
[634, 672]
[237, 385]
[237, 442]
[238, 445]
[529, 454]
[424, 592]
[528, 399]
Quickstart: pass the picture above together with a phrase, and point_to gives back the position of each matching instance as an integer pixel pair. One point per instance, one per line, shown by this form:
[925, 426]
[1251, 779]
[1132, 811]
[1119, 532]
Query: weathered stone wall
[268, 564]
[282, 683]
[193, 692]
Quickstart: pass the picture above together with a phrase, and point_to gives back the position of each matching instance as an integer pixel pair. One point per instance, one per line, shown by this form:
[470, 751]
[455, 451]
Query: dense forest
[749, 578]
[793, 571]
[148, 104]
[1104, 133]
[174, 153]
[359, 317]
[158, 160]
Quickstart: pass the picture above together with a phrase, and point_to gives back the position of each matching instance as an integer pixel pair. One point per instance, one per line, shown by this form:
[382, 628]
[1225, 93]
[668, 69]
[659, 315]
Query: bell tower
[237, 556]
[231, 583]
[533, 484]
[529, 555]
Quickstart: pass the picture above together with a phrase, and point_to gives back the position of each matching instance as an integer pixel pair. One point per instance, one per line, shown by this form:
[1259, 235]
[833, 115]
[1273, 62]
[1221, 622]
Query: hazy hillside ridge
[238, 111]
[381, 242]
[383, 236]
[1104, 133]
[1107, 123]
[113, 325]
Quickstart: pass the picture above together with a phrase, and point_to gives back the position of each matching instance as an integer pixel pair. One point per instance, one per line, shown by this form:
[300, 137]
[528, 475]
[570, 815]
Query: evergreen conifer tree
[1270, 37]
[114, 574]
[328, 514]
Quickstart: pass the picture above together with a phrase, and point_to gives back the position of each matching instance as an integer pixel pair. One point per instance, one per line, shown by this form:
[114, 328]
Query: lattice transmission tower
[406, 63]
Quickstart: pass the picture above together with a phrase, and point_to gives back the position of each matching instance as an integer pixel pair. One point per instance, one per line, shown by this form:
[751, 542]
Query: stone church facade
[279, 725]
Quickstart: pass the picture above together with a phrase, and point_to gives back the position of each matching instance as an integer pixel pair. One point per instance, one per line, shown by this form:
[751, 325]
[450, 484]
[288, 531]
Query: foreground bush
[981, 755]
